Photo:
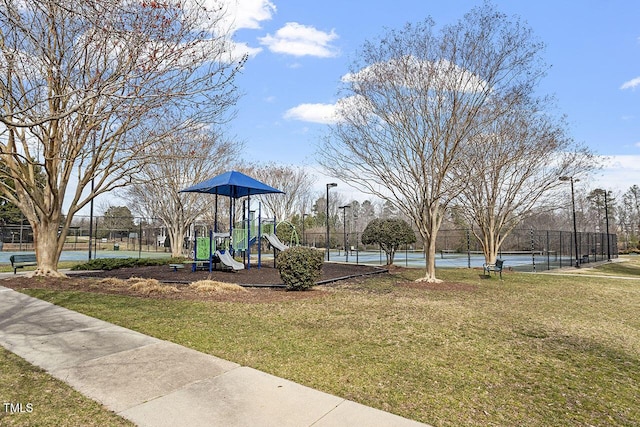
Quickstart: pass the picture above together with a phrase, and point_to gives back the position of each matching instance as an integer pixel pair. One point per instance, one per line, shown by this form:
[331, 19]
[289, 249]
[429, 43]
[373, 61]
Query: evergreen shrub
[300, 267]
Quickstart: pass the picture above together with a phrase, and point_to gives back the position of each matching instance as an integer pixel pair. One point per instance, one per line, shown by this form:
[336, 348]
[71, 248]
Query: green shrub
[300, 267]
[115, 263]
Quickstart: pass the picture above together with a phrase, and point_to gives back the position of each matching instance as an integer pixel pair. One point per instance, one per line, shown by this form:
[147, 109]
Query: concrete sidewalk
[157, 383]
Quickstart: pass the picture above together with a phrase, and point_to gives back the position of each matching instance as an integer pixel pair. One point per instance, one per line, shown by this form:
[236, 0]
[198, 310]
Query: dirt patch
[265, 277]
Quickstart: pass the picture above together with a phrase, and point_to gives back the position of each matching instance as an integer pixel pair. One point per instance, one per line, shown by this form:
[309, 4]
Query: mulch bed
[267, 278]
[264, 276]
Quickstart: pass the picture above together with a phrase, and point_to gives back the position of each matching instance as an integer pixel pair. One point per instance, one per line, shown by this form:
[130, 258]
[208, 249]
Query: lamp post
[344, 228]
[329, 185]
[93, 153]
[575, 228]
[606, 216]
[91, 213]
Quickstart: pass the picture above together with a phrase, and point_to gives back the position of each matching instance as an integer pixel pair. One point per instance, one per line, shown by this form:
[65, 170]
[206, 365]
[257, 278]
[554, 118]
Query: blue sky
[300, 50]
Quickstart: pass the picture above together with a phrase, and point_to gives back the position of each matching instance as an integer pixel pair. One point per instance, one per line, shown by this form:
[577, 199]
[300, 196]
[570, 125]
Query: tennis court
[83, 255]
[520, 261]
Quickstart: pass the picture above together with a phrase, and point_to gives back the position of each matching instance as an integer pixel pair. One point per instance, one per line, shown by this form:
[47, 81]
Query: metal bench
[22, 260]
[496, 268]
[176, 267]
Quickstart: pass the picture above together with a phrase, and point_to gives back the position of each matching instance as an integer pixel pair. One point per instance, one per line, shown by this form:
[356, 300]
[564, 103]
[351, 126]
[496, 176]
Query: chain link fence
[141, 235]
[539, 249]
[542, 249]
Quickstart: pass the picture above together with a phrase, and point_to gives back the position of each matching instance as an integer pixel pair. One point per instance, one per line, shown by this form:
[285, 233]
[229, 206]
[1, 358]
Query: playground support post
[248, 251]
[259, 240]
[211, 250]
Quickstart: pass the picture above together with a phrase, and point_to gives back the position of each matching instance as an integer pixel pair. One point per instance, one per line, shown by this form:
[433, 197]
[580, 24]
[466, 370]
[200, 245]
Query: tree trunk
[430, 261]
[176, 238]
[491, 242]
[490, 247]
[45, 236]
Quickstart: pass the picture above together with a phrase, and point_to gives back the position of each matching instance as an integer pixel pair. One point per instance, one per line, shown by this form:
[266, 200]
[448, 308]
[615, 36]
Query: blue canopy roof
[232, 184]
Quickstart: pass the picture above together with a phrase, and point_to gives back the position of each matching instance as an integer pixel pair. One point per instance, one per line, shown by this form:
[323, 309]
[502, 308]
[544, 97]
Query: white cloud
[619, 172]
[237, 14]
[314, 113]
[238, 50]
[301, 40]
[411, 71]
[329, 114]
[631, 84]
[637, 144]
[244, 13]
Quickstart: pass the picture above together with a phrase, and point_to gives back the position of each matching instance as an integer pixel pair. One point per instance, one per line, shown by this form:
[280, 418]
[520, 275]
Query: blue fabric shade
[231, 184]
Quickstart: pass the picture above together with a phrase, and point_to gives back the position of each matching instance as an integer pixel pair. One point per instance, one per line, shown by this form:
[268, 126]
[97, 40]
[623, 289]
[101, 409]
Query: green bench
[22, 260]
[176, 267]
[496, 268]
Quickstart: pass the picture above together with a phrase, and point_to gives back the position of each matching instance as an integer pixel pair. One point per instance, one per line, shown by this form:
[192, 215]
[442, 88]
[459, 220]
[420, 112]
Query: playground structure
[234, 185]
[220, 248]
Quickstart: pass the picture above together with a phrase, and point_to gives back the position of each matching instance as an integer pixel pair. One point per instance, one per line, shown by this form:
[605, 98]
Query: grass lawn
[533, 350]
[43, 400]
[629, 268]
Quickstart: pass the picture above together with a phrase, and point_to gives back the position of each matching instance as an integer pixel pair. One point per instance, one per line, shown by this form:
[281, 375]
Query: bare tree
[296, 184]
[85, 87]
[412, 102]
[184, 159]
[514, 168]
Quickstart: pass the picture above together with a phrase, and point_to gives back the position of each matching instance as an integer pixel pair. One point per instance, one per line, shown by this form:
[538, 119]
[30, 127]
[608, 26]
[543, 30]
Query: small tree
[389, 234]
[118, 220]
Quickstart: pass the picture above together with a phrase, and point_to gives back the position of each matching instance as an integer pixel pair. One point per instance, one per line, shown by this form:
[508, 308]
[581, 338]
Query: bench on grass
[496, 268]
[22, 260]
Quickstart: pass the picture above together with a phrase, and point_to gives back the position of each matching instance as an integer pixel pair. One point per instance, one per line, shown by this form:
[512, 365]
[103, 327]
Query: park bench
[22, 260]
[496, 268]
[176, 267]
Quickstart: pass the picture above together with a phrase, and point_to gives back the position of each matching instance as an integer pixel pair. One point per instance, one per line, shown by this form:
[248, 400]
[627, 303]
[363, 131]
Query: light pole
[344, 228]
[606, 216]
[93, 150]
[329, 185]
[575, 227]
